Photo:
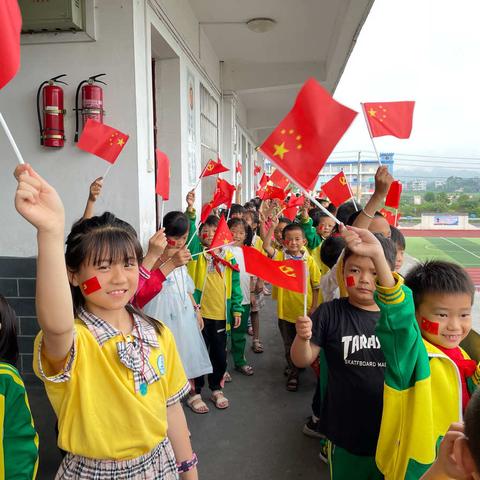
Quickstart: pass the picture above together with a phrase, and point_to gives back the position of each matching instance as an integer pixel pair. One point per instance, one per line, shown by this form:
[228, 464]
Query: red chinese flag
[337, 189]
[238, 168]
[223, 194]
[290, 212]
[257, 169]
[278, 179]
[390, 217]
[389, 118]
[394, 194]
[212, 168]
[101, 140]
[296, 201]
[288, 274]
[263, 181]
[304, 139]
[10, 27]
[162, 186]
[223, 235]
[270, 192]
[90, 286]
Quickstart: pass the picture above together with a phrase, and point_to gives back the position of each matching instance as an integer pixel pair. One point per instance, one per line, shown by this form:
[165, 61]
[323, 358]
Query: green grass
[465, 251]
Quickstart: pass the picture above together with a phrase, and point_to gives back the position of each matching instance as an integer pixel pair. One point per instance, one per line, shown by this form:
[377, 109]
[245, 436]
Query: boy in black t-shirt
[345, 329]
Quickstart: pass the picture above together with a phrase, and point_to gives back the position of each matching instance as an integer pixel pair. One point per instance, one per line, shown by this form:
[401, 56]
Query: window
[208, 139]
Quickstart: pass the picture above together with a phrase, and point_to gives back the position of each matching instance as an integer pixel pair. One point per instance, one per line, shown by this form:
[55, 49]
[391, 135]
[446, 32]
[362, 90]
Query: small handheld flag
[223, 236]
[389, 118]
[101, 140]
[393, 196]
[337, 189]
[162, 186]
[212, 168]
[288, 274]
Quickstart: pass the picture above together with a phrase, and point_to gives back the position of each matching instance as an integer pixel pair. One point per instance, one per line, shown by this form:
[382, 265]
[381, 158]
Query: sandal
[197, 405]
[257, 346]
[245, 370]
[292, 384]
[219, 400]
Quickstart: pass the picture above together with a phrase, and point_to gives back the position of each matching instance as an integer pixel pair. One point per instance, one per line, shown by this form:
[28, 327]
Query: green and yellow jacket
[19, 440]
[422, 393]
[197, 268]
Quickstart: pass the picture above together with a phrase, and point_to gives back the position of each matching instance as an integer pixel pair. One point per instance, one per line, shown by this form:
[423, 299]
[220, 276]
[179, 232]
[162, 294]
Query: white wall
[68, 169]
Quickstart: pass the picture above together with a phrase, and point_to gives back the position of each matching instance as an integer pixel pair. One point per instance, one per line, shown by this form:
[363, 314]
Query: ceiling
[266, 70]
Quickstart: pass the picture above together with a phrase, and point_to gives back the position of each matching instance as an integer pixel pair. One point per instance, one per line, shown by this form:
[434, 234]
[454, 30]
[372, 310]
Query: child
[257, 286]
[345, 331]
[112, 374]
[290, 305]
[459, 452]
[237, 210]
[175, 305]
[19, 446]
[242, 234]
[217, 291]
[94, 192]
[399, 240]
[429, 378]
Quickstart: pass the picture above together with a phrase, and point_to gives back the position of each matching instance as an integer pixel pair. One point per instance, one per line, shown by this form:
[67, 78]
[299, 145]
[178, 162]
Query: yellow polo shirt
[289, 303]
[213, 297]
[99, 413]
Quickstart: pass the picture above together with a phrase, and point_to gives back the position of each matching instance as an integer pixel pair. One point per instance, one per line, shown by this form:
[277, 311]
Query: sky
[427, 51]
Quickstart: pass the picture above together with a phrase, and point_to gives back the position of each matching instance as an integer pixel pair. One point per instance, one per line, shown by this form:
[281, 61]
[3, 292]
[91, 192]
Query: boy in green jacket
[429, 378]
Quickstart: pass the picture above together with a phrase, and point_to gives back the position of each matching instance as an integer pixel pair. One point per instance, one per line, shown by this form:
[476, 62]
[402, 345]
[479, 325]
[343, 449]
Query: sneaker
[324, 451]
[311, 429]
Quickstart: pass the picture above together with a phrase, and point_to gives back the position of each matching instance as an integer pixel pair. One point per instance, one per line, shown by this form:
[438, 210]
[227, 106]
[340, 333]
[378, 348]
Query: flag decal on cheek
[90, 286]
[350, 281]
[430, 327]
[172, 243]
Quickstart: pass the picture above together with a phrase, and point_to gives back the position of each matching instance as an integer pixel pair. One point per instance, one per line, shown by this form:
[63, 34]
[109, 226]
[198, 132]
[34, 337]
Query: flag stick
[305, 291]
[196, 185]
[228, 214]
[194, 233]
[11, 140]
[162, 210]
[210, 249]
[108, 170]
[371, 137]
[352, 197]
[305, 191]
[396, 217]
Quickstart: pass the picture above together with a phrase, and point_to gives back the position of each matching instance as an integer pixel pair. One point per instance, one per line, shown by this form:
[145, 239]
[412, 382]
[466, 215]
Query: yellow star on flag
[280, 150]
[121, 142]
[372, 112]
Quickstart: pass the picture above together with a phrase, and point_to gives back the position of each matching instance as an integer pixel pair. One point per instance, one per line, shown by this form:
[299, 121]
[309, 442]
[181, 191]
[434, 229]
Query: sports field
[465, 251]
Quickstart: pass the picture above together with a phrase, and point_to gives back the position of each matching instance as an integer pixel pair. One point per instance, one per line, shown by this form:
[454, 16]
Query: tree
[429, 197]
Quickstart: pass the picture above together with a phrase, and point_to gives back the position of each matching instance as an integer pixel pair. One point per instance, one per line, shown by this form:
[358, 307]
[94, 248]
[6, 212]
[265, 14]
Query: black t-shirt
[352, 407]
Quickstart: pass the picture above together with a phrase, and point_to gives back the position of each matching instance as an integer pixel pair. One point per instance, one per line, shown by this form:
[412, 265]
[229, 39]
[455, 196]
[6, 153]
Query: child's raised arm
[94, 192]
[267, 241]
[363, 242]
[383, 180]
[40, 205]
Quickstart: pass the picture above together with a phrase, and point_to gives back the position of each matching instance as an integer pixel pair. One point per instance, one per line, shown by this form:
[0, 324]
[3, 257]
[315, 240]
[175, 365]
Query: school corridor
[258, 437]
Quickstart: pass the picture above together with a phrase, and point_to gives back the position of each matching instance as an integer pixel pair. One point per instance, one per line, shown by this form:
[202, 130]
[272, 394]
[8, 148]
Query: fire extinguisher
[92, 101]
[52, 133]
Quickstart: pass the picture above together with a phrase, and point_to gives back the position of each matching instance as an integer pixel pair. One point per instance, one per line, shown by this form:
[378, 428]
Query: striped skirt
[159, 464]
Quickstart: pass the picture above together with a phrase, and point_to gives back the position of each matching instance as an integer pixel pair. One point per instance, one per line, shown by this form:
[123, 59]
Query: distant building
[418, 185]
[359, 172]
[440, 183]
